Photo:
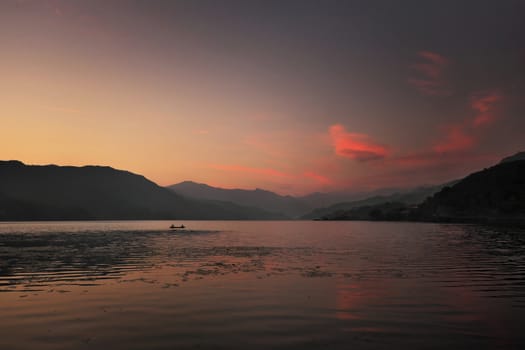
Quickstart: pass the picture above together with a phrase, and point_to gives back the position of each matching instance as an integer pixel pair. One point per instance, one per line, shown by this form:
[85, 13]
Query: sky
[289, 96]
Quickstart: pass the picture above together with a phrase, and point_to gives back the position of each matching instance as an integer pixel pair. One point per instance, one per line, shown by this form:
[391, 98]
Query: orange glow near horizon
[180, 94]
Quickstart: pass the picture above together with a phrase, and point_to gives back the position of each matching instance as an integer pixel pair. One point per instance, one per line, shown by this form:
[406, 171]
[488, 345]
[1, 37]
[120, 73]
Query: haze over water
[223, 285]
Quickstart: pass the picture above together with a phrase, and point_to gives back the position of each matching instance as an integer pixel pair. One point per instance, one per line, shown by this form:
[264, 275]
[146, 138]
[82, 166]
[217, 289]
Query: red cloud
[463, 136]
[460, 137]
[456, 139]
[430, 80]
[319, 178]
[484, 119]
[356, 146]
[485, 103]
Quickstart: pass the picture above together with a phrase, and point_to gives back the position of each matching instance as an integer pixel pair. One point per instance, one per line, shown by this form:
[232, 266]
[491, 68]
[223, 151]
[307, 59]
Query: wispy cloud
[356, 146]
[456, 139]
[251, 170]
[317, 177]
[485, 103]
[430, 79]
[298, 179]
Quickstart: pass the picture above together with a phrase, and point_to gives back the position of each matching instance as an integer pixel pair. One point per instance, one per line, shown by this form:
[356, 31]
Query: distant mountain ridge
[51, 192]
[293, 207]
[410, 197]
[266, 200]
[492, 195]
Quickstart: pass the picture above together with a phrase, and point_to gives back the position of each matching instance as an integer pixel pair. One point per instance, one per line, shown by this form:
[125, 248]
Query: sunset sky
[289, 96]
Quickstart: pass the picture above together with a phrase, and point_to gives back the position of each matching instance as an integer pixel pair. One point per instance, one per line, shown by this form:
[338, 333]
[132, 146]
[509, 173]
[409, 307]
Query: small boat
[174, 227]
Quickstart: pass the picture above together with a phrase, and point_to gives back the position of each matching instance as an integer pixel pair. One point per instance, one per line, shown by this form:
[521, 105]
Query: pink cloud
[297, 181]
[485, 103]
[356, 146]
[456, 139]
[250, 170]
[484, 119]
[431, 74]
[269, 172]
[317, 177]
[464, 136]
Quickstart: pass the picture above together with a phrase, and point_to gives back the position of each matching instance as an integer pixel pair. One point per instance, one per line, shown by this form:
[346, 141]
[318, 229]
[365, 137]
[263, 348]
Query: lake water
[261, 285]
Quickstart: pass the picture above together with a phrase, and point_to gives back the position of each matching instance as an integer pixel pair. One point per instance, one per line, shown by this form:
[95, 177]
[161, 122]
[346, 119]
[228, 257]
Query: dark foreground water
[265, 285]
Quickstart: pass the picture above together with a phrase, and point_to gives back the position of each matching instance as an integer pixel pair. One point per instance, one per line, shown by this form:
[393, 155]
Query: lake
[261, 285]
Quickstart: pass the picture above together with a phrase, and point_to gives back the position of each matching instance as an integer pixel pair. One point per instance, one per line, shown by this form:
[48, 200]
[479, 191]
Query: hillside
[515, 157]
[493, 194]
[385, 211]
[412, 197]
[265, 200]
[92, 192]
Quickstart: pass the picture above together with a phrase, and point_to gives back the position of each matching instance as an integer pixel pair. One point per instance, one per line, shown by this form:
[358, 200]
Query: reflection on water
[137, 285]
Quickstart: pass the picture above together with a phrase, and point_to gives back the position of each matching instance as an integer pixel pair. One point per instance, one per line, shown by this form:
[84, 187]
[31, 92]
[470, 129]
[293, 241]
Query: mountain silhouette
[496, 194]
[409, 197]
[384, 211]
[53, 192]
[493, 195]
[265, 200]
[517, 156]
